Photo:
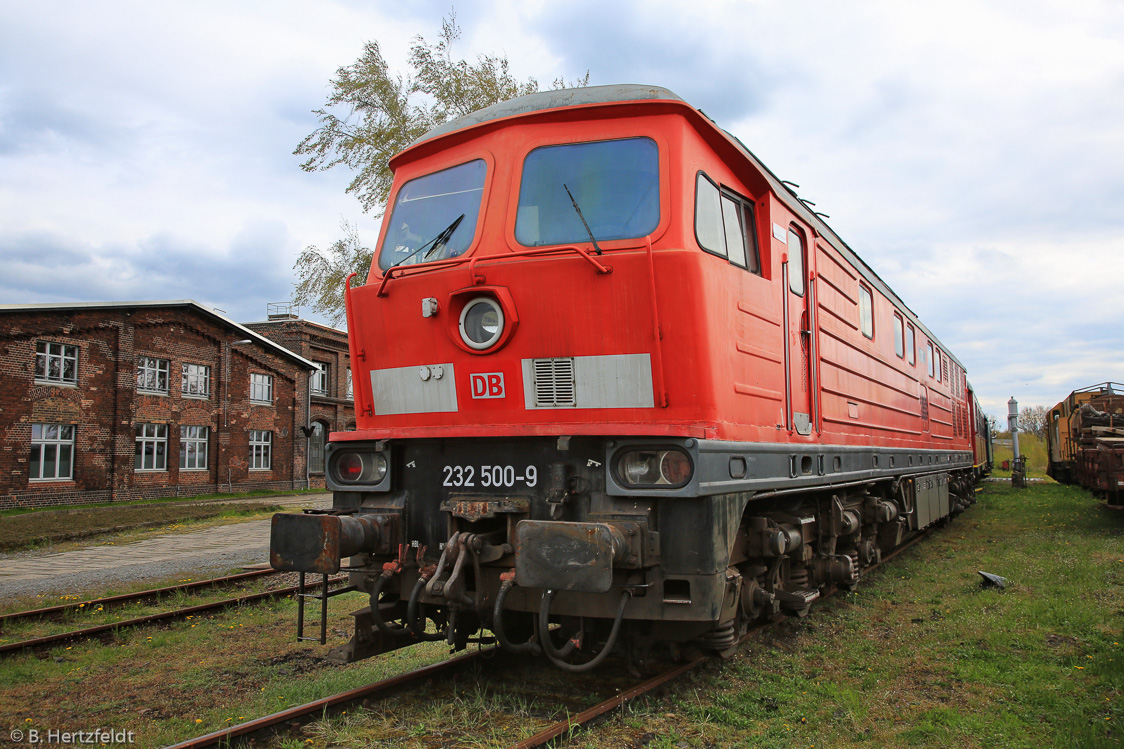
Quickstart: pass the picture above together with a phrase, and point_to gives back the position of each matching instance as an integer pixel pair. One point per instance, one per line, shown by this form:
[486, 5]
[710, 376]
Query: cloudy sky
[971, 152]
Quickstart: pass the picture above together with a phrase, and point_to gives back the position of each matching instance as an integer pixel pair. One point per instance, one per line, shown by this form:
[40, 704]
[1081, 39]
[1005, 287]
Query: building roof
[191, 304]
[308, 324]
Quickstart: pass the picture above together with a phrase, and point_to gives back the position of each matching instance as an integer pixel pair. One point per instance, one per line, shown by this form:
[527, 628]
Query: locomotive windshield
[434, 216]
[615, 183]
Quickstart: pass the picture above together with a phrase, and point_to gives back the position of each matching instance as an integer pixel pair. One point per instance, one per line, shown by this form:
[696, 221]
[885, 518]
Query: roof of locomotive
[622, 93]
[557, 99]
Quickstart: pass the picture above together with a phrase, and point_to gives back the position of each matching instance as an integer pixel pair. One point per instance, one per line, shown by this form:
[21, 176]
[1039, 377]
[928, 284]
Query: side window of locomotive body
[434, 216]
[910, 346]
[724, 225]
[795, 262]
[709, 231]
[899, 336]
[866, 311]
[615, 183]
[929, 357]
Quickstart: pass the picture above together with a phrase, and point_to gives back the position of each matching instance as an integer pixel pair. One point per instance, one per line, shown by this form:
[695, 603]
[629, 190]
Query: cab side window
[724, 224]
[708, 216]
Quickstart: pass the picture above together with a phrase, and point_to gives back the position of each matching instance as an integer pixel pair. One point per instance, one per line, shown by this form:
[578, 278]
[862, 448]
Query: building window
[193, 448]
[152, 374]
[56, 362]
[910, 345]
[196, 380]
[320, 378]
[349, 394]
[866, 311]
[52, 452]
[316, 447]
[261, 388]
[152, 448]
[261, 450]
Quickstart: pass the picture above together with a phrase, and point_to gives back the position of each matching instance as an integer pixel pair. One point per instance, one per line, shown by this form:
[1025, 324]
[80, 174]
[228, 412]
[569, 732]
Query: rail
[86, 632]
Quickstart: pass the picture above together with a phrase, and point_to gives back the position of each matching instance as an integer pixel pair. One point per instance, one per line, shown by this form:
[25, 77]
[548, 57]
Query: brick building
[332, 408]
[119, 401]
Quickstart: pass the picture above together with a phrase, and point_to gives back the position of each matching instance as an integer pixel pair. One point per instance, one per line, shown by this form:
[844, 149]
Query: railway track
[178, 613]
[559, 729]
[51, 612]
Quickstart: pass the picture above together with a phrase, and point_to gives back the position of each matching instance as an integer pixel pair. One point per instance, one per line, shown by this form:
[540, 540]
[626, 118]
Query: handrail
[357, 355]
[601, 269]
[476, 259]
[661, 389]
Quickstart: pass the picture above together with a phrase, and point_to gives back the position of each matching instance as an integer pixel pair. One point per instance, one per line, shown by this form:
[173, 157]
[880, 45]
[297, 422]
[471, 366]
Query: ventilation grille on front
[554, 382]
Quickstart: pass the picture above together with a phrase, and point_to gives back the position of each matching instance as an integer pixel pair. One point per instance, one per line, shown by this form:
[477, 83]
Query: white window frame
[261, 388]
[151, 368]
[152, 437]
[52, 438]
[318, 378]
[350, 393]
[194, 447]
[48, 353]
[196, 382]
[261, 450]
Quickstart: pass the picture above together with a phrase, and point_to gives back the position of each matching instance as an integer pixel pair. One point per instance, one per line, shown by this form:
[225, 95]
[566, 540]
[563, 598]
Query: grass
[36, 530]
[144, 502]
[1030, 446]
[179, 680]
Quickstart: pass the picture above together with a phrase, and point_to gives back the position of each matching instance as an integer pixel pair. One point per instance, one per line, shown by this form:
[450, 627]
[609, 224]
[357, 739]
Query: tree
[993, 424]
[321, 275]
[1032, 420]
[372, 114]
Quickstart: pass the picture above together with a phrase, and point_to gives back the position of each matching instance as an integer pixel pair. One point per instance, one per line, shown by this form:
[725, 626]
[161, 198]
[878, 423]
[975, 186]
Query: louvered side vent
[554, 382]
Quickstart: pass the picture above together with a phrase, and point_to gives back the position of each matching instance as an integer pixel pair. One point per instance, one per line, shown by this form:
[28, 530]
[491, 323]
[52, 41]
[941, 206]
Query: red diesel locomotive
[616, 385]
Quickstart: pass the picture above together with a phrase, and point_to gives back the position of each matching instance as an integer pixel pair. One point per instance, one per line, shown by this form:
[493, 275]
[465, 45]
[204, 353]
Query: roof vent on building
[283, 311]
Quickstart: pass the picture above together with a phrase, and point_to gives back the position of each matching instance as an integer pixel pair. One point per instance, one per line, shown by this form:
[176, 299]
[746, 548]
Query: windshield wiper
[579, 210]
[437, 241]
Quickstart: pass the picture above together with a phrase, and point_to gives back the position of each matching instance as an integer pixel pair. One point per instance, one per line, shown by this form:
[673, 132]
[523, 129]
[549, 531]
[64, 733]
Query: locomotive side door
[800, 342]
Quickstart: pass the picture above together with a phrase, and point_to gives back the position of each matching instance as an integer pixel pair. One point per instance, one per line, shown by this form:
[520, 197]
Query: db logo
[487, 385]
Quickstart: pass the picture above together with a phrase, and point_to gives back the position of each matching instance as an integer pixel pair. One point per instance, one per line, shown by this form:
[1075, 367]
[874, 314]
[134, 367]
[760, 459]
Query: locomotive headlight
[360, 468]
[481, 323]
[646, 467]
